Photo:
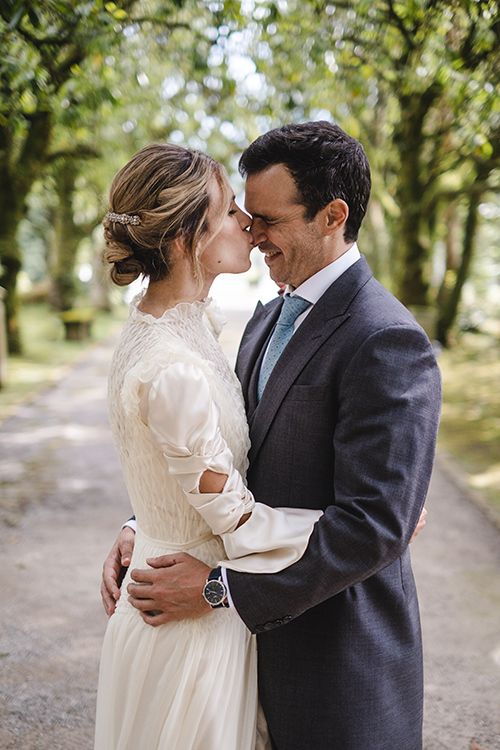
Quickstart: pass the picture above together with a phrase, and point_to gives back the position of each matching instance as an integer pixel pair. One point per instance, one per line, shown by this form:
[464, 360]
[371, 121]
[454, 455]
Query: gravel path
[61, 502]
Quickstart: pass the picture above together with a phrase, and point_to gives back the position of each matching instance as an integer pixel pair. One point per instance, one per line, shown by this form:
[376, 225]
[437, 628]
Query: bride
[178, 419]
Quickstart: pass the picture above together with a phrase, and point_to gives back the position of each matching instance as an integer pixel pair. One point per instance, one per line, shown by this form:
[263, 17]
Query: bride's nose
[244, 219]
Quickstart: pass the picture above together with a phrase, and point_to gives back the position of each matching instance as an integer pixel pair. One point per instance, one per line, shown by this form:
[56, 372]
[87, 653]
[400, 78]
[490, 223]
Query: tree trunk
[100, 287]
[448, 311]
[413, 245]
[67, 236]
[11, 265]
[10, 259]
[452, 254]
[18, 177]
[376, 242]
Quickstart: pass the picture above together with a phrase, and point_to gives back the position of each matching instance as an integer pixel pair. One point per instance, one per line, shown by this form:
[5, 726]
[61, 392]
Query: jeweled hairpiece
[122, 218]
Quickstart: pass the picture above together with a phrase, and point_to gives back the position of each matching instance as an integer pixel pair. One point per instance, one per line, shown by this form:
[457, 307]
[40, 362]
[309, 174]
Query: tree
[419, 81]
[457, 272]
[46, 46]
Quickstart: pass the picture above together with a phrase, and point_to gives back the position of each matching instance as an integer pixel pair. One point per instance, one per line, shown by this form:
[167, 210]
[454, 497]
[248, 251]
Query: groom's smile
[269, 254]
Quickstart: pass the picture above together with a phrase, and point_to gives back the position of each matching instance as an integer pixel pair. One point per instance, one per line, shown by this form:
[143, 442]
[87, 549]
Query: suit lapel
[254, 337]
[326, 317]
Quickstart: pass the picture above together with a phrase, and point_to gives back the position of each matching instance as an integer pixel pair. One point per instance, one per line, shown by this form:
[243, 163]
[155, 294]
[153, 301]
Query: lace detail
[185, 333]
[208, 307]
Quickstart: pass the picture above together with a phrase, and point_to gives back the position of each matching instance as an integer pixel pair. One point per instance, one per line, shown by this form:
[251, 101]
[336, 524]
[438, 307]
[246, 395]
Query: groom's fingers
[420, 525]
[126, 546]
[110, 575]
[143, 605]
[140, 575]
[165, 561]
[107, 600]
[139, 590]
[156, 618]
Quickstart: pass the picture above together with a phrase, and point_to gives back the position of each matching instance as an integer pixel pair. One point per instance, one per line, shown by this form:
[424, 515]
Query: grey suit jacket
[347, 424]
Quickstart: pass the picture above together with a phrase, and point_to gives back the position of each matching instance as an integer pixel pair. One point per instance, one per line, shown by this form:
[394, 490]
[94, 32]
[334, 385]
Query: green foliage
[416, 82]
[78, 315]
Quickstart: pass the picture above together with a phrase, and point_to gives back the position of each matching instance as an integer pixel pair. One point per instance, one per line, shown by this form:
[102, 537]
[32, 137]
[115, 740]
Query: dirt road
[61, 502]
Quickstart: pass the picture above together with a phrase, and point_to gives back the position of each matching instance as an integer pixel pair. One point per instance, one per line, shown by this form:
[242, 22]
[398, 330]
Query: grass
[470, 425]
[46, 354]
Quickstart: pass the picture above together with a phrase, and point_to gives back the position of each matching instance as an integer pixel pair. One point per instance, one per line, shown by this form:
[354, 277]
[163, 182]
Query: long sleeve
[184, 420]
[383, 452]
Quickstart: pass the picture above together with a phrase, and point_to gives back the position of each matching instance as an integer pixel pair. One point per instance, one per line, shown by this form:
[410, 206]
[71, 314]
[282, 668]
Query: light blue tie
[290, 311]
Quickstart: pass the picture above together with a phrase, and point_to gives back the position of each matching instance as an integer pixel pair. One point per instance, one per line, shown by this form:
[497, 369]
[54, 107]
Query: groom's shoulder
[376, 308]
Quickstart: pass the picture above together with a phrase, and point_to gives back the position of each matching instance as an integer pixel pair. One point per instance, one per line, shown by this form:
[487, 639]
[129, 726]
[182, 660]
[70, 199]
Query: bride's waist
[171, 545]
[206, 547]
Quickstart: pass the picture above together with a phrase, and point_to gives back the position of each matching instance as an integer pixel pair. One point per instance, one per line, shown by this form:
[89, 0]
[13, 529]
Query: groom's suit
[347, 423]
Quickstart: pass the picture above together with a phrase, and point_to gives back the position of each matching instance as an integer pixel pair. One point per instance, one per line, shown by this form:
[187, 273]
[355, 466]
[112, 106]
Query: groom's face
[293, 245]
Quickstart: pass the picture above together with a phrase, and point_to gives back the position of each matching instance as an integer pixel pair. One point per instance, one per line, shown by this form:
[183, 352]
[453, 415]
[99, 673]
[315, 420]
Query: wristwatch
[214, 591]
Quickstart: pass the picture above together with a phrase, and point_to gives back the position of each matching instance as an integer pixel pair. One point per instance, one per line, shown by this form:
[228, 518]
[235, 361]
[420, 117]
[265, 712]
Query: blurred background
[83, 85]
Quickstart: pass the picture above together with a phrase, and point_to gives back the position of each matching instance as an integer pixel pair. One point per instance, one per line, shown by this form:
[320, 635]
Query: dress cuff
[270, 540]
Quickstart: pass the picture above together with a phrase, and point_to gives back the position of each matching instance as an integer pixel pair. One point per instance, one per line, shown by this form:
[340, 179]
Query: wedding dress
[176, 408]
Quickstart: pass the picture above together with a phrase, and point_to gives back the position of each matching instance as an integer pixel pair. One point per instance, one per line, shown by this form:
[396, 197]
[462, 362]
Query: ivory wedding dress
[176, 408]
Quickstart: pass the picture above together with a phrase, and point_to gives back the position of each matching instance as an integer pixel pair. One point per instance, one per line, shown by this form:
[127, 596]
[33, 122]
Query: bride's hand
[420, 525]
[113, 570]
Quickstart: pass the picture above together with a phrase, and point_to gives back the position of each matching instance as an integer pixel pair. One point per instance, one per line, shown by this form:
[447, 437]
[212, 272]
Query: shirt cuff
[223, 573]
[131, 523]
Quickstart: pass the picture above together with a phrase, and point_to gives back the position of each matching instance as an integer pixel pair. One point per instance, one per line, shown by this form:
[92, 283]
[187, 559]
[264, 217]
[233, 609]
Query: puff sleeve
[178, 408]
[184, 420]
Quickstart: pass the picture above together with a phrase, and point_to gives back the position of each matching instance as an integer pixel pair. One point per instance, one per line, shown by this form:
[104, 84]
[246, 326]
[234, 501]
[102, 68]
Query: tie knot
[292, 308]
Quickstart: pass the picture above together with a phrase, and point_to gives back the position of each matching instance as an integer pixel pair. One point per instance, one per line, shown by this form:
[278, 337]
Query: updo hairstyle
[164, 191]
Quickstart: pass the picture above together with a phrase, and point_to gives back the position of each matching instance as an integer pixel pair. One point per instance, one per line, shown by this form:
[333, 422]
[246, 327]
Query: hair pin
[122, 218]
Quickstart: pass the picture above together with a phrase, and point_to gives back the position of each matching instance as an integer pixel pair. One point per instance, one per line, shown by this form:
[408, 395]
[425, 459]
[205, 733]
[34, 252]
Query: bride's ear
[335, 215]
[178, 247]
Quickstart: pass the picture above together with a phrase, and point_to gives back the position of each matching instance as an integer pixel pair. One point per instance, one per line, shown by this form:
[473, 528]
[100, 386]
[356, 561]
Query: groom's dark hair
[325, 163]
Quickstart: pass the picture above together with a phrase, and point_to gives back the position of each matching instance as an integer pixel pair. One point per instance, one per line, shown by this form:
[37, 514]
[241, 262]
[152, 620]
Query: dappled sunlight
[470, 424]
[489, 478]
[74, 484]
[75, 433]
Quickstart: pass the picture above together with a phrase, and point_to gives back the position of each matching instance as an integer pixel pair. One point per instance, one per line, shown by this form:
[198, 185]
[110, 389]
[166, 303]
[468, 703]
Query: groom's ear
[334, 215]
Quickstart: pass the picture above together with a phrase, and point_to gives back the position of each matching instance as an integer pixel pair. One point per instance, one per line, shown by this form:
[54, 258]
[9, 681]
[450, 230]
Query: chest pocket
[311, 393]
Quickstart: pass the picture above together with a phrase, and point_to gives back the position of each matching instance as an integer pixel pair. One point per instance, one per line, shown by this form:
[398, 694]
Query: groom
[343, 414]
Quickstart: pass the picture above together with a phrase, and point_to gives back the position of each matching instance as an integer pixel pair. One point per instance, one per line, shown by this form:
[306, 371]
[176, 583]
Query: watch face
[214, 592]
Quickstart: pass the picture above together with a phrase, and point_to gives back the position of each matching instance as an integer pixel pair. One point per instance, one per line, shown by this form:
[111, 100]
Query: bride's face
[228, 249]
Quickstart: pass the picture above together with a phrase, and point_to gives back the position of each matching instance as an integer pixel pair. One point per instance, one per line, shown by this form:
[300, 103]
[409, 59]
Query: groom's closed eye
[265, 219]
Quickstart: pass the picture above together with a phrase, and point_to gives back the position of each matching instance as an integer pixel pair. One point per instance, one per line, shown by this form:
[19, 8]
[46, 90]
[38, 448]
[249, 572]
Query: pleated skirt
[190, 685]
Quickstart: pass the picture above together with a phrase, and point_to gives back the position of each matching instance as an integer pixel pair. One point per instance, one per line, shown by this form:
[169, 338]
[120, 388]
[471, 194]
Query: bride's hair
[159, 196]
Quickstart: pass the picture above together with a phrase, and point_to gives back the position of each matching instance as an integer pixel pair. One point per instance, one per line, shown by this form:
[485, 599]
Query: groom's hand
[171, 591]
[420, 525]
[114, 568]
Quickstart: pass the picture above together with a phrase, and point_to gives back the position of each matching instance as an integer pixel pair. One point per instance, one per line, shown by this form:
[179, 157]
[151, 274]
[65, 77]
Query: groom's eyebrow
[264, 217]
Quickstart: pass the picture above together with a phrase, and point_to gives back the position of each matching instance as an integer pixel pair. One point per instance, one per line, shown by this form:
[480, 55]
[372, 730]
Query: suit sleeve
[383, 451]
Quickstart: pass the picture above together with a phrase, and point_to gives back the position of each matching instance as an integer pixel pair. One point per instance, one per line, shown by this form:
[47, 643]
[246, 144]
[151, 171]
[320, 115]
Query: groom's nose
[258, 230]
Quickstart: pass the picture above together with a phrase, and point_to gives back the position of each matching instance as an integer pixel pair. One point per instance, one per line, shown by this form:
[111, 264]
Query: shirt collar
[315, 286]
